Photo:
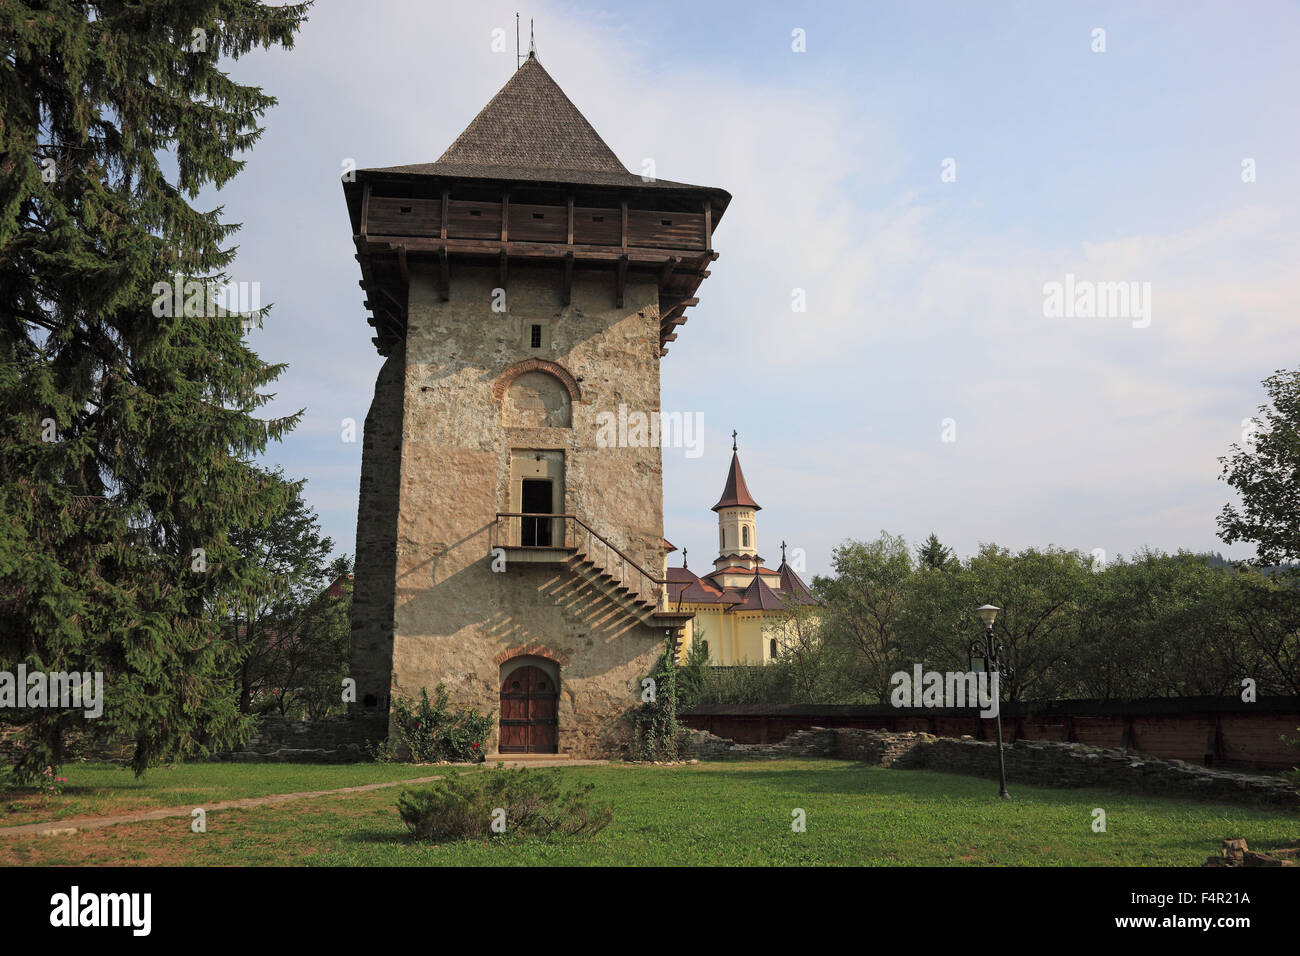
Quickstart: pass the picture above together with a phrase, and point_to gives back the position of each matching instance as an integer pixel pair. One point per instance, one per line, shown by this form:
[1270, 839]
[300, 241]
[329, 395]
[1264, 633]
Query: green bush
[466, 805]
[429, 732]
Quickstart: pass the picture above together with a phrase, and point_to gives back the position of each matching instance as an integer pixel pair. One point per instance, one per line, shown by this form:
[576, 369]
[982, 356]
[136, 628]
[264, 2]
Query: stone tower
[520, 286]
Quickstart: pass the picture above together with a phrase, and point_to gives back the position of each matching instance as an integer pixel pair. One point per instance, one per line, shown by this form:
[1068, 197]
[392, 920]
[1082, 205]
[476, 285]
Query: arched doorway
[528, 712]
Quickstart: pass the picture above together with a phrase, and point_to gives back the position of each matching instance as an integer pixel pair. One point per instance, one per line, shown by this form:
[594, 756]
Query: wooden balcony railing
[564, 532]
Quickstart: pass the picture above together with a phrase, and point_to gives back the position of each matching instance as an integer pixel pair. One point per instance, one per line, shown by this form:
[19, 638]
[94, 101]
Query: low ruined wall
[331, 740]
[1218, 732]
[1040, 763]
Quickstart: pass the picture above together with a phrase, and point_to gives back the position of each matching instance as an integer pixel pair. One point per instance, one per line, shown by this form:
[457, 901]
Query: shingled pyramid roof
[530, 131]
[759, 597]
[735, 494]
[792, 586]
[532, 123]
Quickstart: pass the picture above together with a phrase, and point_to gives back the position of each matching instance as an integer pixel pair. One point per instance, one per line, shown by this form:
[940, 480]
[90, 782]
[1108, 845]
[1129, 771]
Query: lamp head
[988, 614]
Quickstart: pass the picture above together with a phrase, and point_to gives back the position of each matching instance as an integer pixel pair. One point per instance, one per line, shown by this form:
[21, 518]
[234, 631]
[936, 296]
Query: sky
[918, 175]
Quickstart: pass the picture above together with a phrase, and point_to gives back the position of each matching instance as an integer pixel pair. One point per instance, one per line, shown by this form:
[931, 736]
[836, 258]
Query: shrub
[429, 732]
[654, 723]
[465, 805]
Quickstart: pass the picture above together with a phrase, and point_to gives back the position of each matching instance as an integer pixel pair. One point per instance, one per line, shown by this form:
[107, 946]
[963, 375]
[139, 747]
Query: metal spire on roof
[532, 43]
[733, 439]
[783, 552]
[683, 557]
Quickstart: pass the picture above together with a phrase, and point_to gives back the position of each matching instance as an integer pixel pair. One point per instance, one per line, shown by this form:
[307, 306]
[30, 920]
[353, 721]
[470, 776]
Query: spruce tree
[129, 424]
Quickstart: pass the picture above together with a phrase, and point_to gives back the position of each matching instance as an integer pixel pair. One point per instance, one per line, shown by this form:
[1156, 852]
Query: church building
[520, 286]
[740, 609]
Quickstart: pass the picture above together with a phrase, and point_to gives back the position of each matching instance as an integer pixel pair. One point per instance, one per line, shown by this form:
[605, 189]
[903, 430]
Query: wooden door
[528, 714]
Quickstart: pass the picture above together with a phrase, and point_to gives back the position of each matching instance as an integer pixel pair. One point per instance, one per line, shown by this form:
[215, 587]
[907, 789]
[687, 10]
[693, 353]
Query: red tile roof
[736, 494]
[759, 597]
[793, 588]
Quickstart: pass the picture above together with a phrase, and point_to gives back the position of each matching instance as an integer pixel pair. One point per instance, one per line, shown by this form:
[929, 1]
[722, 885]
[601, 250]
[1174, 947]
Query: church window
[744, 537]
[536, 339]
[772, 648]
[722, 537]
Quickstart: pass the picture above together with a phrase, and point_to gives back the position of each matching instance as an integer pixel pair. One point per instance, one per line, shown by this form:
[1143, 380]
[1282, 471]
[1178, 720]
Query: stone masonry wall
[331, 740]
[374, 582]
[455, 620]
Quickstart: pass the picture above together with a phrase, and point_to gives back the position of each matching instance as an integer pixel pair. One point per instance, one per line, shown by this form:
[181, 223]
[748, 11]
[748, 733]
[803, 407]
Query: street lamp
[992, 652]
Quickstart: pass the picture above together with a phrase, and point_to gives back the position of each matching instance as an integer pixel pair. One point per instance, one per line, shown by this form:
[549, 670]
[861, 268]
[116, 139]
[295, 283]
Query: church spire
[735, 494]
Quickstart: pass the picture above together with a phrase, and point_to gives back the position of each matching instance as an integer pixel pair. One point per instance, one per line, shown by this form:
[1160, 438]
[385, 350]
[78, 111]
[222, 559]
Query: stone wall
[1214, 731]
[452, 620]
[1040, 763]
[374, 582]
[331, 740]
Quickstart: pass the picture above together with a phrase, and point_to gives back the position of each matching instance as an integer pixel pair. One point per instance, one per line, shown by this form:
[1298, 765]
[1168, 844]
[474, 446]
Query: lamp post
[992, 652]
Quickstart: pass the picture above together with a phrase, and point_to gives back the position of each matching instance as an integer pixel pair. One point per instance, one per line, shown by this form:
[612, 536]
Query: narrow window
[537, 337]
[744, 537]
[539, 215]
[772, 649]
[722, 538]
[597, 218]
[665, 222]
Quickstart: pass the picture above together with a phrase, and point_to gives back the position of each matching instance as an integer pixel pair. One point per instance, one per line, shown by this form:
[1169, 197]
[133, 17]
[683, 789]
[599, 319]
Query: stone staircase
[600, 584]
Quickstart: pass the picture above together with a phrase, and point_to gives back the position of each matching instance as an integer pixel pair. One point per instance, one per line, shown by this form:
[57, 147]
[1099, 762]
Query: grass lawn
[98, 789]
[709, 814]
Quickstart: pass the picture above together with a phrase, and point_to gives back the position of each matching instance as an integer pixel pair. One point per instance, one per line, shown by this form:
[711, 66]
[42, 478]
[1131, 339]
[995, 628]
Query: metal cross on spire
[683, 557]
[733, 439]
[783, 552]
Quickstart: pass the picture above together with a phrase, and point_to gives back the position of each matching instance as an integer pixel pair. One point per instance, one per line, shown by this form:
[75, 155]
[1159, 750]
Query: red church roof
[736, 494]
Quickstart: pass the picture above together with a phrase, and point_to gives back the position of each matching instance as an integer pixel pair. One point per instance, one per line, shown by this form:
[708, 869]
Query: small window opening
[476, 212]
[597, 218]
[665, 222]
[406, 209]
[537, 337]
[539, 215]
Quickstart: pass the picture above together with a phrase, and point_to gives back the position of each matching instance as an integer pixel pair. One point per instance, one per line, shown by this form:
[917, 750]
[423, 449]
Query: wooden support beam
[504, 259]
[568, 272]
[666, 270]
[365, 208]
[401, 263]
[708, 224]
[620, 282]
[570, 239]
[505, 217]
[623, 229]
[446, 201]
[445, 273]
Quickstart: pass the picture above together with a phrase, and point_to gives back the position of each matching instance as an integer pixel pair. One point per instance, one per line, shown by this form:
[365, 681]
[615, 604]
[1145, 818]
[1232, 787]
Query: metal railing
[564, 532]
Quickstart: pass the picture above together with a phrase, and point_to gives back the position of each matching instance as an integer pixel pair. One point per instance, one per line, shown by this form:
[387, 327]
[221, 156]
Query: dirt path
[64, 827]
